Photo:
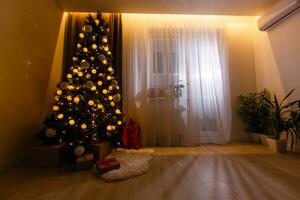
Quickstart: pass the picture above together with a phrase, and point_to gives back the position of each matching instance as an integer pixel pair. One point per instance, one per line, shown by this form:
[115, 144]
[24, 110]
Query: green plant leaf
[287, 96]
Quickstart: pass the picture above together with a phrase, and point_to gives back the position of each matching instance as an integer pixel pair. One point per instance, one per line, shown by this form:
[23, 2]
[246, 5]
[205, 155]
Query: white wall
[277, 57]
[242, 69]
[28, 35]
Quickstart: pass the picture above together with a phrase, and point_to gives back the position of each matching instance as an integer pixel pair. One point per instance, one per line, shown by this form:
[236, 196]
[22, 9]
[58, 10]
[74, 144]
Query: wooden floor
[240, 171]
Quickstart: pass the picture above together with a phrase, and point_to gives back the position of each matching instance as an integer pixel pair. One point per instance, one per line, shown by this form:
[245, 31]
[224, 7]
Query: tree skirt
[132, 163]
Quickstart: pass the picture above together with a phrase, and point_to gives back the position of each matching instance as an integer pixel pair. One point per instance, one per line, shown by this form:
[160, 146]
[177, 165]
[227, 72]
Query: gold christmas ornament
[69, 97]
[118, 111]
[108, 53]
[80, 74]
[91, 102]
[58, 92]
[110, 98]
[81, 35]
[83, 126]
[92, 58]
[119, 122]
[94, 37]
[56, 98]
[94, 46]
[69, 75]
[100, 106]
[78, 46]
[94, 71]
[99, 82]
[110, 87]
[104, 62]
[93, 88]
[71, 87]
[104, 40]
[108, 78]
[109, 127]
[106, 48]
[117, 87]
[75, 71]
[76, 99]
[72, 122]
[85, 49]
[74, 58]
[60, 116]
[112, 104]
[55, 108]
[104, 91]
[113, 127]
[97, 22]
[110, 69]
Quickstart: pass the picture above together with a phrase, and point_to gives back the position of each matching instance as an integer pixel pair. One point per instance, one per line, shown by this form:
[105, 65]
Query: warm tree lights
[87, 101]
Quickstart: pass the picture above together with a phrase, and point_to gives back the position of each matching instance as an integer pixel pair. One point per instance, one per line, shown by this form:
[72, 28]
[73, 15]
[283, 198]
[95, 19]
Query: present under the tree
[46, 155]
[103, 166]
[85, 162]
[101, 150]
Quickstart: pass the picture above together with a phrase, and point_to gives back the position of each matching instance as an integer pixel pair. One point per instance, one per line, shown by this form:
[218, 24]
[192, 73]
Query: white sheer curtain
[175, 79]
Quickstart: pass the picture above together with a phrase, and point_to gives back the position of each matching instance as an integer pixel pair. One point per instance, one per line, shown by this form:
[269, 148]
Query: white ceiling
[201, 7]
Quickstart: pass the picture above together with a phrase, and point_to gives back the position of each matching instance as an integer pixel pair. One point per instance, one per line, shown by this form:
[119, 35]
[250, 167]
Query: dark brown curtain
[74, 25]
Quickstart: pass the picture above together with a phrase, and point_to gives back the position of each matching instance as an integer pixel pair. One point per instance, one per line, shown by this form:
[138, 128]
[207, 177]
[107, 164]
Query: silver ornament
[114, 83]
[89, 84]
[79, 150]
[85, 64]
[101, 57]
[87, 28]
[117, 98]
[63, 85]
[50, 133]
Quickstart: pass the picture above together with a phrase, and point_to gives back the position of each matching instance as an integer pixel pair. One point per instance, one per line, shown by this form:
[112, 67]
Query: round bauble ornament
[101, 57]
[88, 76]
[87, 28]
[97, 22]
[50, 133]
[85, 64]
[89, 84]
[63, 85]
[94, 38]
[81, 35]
[117, 98]
[85, 50]
[114, 83]
[79, 150]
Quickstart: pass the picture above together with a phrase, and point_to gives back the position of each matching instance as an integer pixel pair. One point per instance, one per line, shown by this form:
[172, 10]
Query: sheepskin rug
[132, 163]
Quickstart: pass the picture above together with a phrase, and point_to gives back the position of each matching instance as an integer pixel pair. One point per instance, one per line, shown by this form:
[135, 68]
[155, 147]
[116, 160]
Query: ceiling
[201, 7]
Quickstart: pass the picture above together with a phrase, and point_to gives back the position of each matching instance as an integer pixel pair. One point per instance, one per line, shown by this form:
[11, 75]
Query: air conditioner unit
[280, 11]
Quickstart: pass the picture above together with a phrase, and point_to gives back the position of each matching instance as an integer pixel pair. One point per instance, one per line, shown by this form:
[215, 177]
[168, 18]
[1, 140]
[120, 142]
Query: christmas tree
[87, 101]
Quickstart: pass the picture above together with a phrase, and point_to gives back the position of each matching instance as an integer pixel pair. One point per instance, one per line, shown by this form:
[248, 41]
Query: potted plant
[294, 127]
[254, 113]
[279, 121]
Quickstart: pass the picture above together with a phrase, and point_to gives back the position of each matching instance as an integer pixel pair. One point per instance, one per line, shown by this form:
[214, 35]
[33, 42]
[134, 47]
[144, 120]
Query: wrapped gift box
[42, 155]
[103, 166]
[85, 162]
[101, 150]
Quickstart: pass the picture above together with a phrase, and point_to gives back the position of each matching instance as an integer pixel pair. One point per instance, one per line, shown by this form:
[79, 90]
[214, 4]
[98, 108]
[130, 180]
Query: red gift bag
[131, 135]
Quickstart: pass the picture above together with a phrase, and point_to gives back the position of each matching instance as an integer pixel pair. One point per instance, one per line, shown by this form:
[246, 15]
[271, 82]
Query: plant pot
[255, 138]
[263, 139]
[277, 146]
[296, 147]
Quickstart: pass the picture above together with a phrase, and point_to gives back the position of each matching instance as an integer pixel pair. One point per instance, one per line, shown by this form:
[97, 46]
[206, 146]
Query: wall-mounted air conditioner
[280, 11]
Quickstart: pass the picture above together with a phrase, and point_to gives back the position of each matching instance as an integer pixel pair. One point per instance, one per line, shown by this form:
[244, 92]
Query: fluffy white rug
[132, 163]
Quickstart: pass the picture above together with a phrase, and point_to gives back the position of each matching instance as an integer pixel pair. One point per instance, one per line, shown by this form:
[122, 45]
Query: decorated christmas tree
[87, 100]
